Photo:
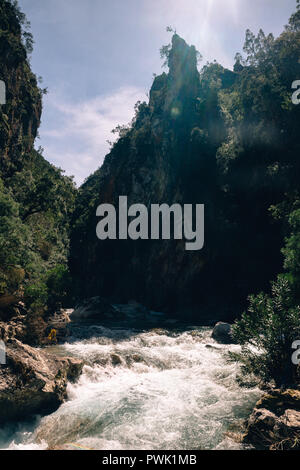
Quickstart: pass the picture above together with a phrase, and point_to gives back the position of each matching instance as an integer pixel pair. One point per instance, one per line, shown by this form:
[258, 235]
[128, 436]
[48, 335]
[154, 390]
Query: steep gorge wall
[20, 116]
[36, 199]
[168, 156]
[225, 139]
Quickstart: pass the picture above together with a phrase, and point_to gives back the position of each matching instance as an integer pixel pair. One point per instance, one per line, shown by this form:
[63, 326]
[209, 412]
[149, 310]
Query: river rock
[95, 308]
[15, 329]
[222, 333]
[132, 310]
[11, 309]
[275, 421]
[33, 381]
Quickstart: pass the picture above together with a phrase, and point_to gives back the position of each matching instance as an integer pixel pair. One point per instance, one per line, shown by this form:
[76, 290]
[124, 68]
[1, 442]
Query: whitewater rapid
[149, 390]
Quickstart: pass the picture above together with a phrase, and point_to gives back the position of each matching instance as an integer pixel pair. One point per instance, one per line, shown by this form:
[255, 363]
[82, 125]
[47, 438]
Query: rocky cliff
[203, 138]
[20, 116]
[36, 199]
[168, 155]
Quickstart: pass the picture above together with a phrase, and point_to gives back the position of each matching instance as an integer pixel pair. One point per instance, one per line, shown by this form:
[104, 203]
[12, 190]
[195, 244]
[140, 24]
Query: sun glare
[204, 23]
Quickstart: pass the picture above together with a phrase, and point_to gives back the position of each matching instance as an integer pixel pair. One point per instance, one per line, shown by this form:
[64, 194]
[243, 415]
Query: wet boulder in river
[33, 381]
[222, 333]
[95, 308]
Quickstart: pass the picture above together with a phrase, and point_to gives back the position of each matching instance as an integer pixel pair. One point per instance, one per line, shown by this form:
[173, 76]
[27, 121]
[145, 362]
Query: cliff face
[35, 198]
[157, 161]
[219, 138]
[20, 116]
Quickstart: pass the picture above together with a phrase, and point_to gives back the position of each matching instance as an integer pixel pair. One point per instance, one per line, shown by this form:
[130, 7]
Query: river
[143, 389]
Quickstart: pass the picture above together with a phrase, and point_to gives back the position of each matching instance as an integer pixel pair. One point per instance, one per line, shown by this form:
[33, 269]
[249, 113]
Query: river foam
[146, 390]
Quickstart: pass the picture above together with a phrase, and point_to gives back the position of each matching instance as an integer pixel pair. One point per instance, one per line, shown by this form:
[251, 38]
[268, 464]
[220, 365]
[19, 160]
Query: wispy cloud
[74, 134]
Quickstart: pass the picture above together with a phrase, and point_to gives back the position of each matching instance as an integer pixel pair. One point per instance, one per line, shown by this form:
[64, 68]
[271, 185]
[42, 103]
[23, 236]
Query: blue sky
[97, 58]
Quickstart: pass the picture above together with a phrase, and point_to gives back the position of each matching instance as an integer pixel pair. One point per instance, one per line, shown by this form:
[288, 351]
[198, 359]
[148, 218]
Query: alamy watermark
[155, 225]
[2, 353]
[296, 354]
[296, 94]
[296, 101]
[2, 92]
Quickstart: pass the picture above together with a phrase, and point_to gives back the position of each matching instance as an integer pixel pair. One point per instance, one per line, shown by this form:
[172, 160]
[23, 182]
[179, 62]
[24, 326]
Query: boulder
[275, 421]
[10, 308]
[132, 310]
[95, 308]
[222, 333]
[15, 329]
[289, 422]
[260, 427]
[33, 381]
[278, 401]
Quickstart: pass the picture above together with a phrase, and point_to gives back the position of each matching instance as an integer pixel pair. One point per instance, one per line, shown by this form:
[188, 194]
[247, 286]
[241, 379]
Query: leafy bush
[58, 285]
[272, 323]
[267, 331]
[36, 295]
[291, 250]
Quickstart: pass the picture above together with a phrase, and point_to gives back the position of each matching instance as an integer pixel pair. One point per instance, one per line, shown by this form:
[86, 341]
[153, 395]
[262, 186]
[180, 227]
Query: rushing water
[154, 389]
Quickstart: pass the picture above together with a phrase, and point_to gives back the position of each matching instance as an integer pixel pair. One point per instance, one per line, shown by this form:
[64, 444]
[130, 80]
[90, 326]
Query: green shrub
[267, 331]
[58, 284]
[291, 251]
[36, 295]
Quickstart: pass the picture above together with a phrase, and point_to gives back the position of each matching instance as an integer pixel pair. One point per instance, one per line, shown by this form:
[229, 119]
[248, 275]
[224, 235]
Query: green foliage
[291, 251]
[35, 210]
[36, 295]
[40, 187]
[36, 198]
[267, 331]
[272, 323]
[15, 243]
[258, 48]
[58, 281]
[165, 54]
[24, 24]
[20, 116]
[50, 292]
[294, 22]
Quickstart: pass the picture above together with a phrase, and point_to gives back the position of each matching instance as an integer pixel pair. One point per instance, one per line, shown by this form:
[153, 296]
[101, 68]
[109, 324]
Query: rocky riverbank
[275, 421]
[33, 381]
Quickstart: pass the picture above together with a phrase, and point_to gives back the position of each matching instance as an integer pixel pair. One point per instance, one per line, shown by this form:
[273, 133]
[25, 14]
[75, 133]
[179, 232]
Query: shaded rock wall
[168, 156]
